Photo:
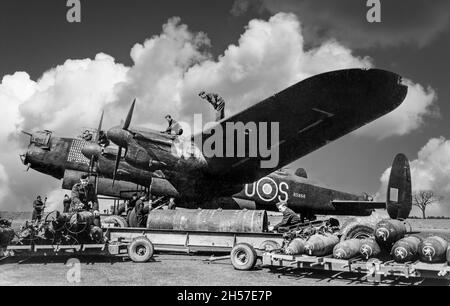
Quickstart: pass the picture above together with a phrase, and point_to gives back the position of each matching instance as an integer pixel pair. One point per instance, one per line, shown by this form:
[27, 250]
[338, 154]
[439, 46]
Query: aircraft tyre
[140, 249]
[358, 230]
[115, 221]
[243, 257]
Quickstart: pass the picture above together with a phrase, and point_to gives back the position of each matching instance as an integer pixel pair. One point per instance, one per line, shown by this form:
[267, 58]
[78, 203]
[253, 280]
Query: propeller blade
[91, 165]
[99, 126]
[96, 184]
[116, 167]
[27, 133]
[126, 125]
[28, 167]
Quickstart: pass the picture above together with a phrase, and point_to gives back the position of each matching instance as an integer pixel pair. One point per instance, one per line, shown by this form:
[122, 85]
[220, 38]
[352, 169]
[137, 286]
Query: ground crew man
[131, 205]
[102, 139]
[217, 102]
[87, 135]
[140, 212]
[174, 127]
[38, 208]
[66, 203]
[84, 198]
[290, 218]
[171, 204]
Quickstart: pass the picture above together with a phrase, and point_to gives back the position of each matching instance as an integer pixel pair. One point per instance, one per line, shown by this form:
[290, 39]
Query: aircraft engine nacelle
[139, 157]
[121, 189]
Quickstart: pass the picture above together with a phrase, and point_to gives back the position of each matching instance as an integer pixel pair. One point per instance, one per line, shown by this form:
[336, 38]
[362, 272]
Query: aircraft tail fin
[399, 193]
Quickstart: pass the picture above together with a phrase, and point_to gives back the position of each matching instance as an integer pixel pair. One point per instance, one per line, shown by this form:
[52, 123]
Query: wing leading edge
[311, 114]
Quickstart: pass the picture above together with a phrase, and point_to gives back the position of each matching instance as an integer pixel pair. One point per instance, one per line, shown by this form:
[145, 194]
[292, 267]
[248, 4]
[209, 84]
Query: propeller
[125, 127]
[94, 158]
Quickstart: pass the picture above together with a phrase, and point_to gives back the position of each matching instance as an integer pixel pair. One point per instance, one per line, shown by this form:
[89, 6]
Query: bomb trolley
[140, 244]
[373, 269]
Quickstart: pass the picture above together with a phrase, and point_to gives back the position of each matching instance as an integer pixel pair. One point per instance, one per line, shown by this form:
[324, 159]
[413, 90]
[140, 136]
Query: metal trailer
[244, 249]
[140, 243]
[373, 269]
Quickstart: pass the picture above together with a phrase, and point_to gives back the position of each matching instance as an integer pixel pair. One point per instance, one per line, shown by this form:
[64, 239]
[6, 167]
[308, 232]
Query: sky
[60, 75]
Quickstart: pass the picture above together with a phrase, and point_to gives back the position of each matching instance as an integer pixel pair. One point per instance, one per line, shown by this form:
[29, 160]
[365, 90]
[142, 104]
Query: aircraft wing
[310, 114]
[348, 205]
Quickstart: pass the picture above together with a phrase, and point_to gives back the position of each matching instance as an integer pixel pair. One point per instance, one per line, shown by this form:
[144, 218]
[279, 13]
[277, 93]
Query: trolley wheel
[243, 256]
[140, 249]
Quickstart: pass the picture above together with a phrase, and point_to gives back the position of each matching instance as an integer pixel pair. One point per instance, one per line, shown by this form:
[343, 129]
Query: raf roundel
[267, 189]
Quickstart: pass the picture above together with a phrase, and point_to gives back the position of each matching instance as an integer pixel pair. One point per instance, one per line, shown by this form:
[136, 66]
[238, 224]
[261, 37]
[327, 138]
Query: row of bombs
[389, 238]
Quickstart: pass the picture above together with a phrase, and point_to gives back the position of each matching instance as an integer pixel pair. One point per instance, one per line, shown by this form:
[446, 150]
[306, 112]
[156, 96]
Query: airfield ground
[173, 270]
[184, 270]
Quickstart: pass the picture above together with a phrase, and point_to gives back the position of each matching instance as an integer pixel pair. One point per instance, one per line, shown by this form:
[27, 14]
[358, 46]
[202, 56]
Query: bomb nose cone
[118, 136]
[340, 254]
[400, 253]
[382, 233]
[90, 150]
[366, 251]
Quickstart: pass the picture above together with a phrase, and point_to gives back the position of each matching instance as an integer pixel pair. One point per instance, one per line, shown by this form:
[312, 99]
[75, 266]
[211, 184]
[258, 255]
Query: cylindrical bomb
[448, 254]
[369, 248]
[96, 233]
[347, 249]
[389, 231]
[433, 249]
[296, 247]
[321, 245]
[6, 235]
[211, 220]
[81, 221]
[406, 249]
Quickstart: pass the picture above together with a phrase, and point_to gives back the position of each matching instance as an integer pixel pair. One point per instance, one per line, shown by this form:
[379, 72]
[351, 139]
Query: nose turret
[47, 161]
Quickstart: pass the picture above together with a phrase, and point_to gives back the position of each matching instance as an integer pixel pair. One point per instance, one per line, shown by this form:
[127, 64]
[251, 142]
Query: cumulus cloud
[167, 73]
[429, 171]
[413, 22]
[4, 189]
[64, 99]
[419, 105]
[172, 68]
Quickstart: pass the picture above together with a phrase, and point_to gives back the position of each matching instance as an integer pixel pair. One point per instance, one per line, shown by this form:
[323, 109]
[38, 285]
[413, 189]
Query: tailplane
[399, 194]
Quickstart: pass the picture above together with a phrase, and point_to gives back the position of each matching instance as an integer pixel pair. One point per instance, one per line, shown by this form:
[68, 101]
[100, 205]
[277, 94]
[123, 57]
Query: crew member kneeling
[84, 198]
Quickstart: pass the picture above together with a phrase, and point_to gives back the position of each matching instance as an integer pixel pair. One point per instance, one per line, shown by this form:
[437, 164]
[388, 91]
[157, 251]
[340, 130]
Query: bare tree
[424, 198]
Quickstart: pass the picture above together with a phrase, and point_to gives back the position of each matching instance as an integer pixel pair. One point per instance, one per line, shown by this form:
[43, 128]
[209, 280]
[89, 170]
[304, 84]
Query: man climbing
[174, 127]
[216, 101]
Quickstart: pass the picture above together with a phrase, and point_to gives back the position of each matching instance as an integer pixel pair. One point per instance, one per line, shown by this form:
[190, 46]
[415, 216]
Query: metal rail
[118, 240]
[372, 269]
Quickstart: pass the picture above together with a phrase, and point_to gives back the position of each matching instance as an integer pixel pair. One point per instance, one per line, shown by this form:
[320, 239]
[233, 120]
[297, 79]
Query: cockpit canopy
[41, 139]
